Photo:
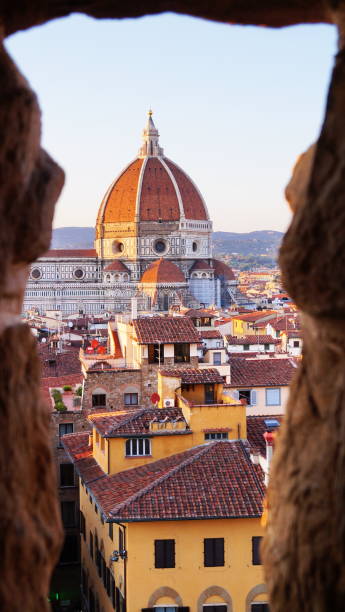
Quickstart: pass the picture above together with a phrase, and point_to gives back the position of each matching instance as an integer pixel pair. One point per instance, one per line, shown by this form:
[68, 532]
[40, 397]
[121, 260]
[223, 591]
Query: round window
[36, 273]
[195, 247]
[160, 246]
[78, 273]
[118, 247]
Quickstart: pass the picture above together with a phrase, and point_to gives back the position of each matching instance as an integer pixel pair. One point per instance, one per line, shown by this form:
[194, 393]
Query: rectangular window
[213, 552]
[121, 540]
[66, 475]
[259, 607]
[91, 544]
[70, 551]
[217, 358]
[216, 435]
[111, 531]
[266, 347]
[256, 550]
[182, 353]
[164, 553]
[98, 400]
[138, 446]
[131, 399]
[68, 513]
[82, 525]
[215, 608]
[246, 347]
[156, 353]
[296, 343]
[272, 397]
[64, 428]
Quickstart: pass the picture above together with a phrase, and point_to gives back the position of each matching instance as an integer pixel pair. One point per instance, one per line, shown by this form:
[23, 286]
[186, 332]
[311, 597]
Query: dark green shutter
[169, 553]
[159, 553]
[208, 552]
[219, 552]
[256, 550]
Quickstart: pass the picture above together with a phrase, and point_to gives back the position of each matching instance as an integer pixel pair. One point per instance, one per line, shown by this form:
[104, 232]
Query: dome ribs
[158, 200]
[194, 207]
[121, 200]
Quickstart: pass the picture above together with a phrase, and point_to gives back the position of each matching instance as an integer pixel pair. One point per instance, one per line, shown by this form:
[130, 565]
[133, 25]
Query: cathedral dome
[162, 271]
[152, 188]
[222, 270]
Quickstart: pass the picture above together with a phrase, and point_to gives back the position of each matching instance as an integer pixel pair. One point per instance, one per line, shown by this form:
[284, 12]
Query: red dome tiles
[163, 271]
[119, 202]
[158, 199]
[155, 189]
[116, 266]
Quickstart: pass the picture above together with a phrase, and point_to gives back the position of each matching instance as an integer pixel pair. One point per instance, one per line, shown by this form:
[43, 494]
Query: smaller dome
[116, 266]
[221, 269]
[162, 271]
[201, 264]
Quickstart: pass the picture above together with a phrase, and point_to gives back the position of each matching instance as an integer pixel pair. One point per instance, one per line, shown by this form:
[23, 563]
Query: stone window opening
[182, 352]
[304, 276]
[99, 399]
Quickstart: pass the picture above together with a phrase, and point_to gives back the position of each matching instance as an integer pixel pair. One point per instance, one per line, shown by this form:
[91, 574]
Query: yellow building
[171, 503]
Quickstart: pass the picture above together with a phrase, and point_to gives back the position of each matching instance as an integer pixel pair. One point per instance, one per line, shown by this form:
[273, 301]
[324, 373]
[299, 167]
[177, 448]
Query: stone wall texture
[304, 552]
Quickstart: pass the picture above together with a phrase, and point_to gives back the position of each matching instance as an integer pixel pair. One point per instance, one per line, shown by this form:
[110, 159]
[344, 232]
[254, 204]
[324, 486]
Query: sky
[234, 105]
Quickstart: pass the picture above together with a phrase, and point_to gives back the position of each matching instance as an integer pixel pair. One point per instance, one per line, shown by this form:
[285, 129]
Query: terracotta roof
[135, 421]
[201, 264]
[255, 432]
[221, 269]
[194, 375]
[199, 313]
[210, 333]
[150, 330]
[163, 271]
[80, 453]
[257, 316]
[54, 364]
[158, 196]
[259, 339]
[116, 266]
[117, 345]
[295, 334]
[261, 372]
[78, 253]
[214, 480]
[286, 323]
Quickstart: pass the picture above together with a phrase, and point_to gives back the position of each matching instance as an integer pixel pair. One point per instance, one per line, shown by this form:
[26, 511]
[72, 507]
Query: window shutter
[253, 397]
[219, 551]
[170, 553]
[112, 588]
[256, 550]
[208, 552]
[159, 553]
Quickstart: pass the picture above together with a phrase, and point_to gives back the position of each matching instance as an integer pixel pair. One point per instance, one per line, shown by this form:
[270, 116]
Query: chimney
[269, 439]
[134, 306]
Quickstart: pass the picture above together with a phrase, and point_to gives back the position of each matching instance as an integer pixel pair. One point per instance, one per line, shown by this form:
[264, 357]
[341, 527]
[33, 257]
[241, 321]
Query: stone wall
[115, 384]
[304, 553]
